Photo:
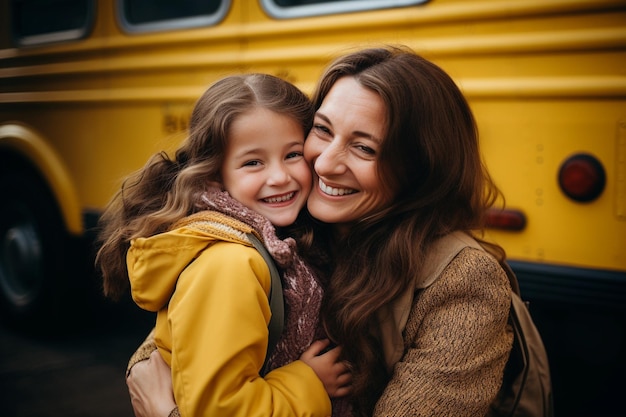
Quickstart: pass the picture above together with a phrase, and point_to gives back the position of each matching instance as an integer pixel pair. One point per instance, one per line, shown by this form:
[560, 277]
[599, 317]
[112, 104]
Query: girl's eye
[251, 163]
[291, 155]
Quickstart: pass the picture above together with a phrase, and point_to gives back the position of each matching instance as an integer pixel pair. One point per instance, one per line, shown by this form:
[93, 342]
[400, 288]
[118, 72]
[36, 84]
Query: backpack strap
[277, 304]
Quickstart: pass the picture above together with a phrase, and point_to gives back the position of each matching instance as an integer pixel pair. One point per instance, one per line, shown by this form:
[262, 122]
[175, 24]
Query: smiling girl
[178, 229]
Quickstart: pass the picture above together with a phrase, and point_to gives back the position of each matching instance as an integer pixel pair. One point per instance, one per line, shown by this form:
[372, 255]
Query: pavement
[77, 373]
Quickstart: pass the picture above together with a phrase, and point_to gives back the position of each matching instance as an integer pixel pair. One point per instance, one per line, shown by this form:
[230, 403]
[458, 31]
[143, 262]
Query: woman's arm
[150, 386]
[150, 382]
[457, 342]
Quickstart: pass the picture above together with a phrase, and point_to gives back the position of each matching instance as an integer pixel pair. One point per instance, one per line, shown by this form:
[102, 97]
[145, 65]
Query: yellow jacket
[210, 288]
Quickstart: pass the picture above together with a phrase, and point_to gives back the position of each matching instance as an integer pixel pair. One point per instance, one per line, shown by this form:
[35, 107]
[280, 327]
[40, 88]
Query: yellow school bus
[89, 89]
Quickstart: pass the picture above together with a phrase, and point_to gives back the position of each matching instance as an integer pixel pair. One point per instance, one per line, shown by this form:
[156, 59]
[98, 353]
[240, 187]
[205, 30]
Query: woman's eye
[366, 149]
[321, 129]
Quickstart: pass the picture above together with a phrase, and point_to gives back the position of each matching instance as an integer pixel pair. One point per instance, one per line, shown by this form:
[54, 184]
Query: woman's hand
[150, 387]
[334, 374]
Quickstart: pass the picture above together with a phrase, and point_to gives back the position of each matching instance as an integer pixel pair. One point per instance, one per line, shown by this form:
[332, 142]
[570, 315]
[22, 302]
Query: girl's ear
[216, 184]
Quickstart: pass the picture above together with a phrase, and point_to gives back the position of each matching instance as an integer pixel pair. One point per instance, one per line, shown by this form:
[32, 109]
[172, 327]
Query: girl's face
[343, 148]
[264, 167]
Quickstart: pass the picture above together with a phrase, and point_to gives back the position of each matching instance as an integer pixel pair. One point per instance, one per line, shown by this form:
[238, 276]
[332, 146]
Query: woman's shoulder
[474, 273]
[473, 284]
[455, 251]
[474, 260]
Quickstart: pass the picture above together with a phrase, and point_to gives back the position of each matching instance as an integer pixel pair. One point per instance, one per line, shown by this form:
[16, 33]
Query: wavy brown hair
[165, 189]
[430, 158]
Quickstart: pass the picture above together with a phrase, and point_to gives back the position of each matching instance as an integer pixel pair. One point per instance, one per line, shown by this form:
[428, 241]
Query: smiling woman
[395, 129]
[343, 147]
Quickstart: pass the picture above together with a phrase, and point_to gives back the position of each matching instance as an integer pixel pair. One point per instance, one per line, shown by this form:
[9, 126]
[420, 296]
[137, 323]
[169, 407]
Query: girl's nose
[279, 175]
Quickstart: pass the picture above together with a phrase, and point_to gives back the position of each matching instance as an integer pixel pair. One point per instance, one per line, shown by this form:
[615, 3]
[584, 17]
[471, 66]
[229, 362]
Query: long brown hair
[430, 158]
[165, 189]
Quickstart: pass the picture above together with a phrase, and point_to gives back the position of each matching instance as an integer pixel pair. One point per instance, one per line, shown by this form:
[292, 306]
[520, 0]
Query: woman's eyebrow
[324, 117]
[357, 133]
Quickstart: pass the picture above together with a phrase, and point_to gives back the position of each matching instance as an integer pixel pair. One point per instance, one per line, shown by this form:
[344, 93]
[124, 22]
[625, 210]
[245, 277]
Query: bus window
[157, 15]
[38, 22]
[283, 9]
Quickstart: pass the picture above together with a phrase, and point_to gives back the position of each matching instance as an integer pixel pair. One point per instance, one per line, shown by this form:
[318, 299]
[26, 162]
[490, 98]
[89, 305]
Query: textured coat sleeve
[457, 342]
[218, 319]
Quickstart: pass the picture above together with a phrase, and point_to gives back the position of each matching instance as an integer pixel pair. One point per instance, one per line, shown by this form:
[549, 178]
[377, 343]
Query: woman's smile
[328, 190]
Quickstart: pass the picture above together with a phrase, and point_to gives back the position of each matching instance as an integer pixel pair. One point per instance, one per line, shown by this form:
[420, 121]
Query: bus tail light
[507, 219]
[582, 177]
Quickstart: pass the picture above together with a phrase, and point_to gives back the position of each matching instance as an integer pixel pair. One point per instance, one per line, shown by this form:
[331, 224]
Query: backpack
[526, 388]
[275, 297]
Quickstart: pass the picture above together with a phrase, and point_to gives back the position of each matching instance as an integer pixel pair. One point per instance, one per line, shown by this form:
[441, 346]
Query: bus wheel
[32, 252]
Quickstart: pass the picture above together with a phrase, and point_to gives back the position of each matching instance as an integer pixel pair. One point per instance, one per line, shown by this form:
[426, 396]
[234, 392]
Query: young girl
[182, 242]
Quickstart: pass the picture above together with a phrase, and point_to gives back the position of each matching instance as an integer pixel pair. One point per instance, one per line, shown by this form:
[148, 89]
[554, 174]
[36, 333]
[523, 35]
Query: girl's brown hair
[166, 190]
[430, 158]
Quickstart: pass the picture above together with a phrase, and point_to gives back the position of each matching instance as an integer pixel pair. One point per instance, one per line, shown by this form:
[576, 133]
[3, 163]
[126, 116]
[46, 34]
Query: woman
[394, 150]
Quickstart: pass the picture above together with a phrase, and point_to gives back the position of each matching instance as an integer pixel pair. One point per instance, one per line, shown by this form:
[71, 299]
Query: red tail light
[582, 177]
[506, 219]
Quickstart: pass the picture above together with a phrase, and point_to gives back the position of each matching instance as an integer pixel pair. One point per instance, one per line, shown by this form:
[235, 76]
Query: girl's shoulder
[216, 225]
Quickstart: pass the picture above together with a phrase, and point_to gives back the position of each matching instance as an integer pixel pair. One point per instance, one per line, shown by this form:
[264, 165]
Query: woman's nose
[331, 160]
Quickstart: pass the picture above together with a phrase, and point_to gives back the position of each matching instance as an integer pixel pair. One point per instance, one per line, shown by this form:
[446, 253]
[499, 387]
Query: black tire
[34, 274]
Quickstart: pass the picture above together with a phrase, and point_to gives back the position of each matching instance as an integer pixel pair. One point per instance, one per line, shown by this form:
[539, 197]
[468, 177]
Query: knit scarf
[302, 290]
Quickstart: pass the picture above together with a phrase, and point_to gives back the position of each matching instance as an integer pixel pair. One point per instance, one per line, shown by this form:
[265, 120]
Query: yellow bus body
[546, 80]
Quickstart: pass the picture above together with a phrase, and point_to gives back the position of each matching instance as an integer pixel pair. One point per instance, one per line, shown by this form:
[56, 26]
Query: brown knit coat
[456, 343]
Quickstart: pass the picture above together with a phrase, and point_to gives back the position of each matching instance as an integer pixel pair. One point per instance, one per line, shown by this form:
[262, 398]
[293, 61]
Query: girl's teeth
[280, 199]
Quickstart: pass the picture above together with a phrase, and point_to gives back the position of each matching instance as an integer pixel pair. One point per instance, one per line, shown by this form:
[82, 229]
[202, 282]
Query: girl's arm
[218, 319]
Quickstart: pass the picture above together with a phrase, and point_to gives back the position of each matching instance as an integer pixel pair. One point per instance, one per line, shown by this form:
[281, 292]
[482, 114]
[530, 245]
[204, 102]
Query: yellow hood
[155, 263]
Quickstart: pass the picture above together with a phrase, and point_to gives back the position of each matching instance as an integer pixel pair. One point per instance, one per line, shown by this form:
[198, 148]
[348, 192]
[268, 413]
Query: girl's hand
[334, 374]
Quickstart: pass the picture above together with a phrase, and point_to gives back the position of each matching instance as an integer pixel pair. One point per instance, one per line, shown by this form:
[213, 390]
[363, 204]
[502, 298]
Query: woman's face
[343, 148]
